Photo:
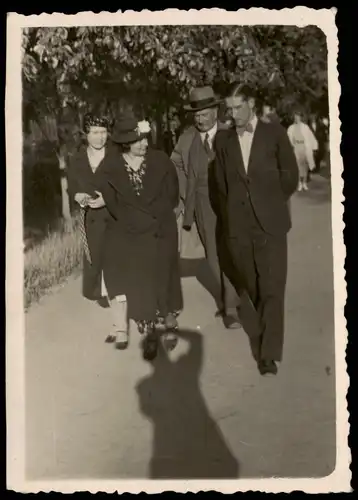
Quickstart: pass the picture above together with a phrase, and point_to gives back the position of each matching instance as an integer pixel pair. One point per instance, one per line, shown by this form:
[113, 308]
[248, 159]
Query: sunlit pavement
[94, 412]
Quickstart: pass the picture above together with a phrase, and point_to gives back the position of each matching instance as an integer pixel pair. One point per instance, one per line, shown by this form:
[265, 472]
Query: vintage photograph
[182, 279]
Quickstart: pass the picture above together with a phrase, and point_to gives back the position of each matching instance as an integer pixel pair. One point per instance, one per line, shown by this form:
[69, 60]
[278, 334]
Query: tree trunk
[66, 210]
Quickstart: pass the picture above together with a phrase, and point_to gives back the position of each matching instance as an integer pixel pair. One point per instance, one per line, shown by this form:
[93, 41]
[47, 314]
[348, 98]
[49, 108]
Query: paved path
[93, 412]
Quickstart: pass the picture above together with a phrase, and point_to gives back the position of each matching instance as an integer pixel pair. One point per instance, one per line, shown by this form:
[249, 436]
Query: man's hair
[243, 90]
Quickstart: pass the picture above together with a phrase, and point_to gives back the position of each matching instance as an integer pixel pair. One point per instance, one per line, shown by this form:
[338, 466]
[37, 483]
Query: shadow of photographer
[187, 442]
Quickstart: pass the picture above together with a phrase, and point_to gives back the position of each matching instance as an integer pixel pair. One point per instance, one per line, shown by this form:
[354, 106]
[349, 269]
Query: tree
[154, 68]
[300, 55]
[158, 61]
[138, 58]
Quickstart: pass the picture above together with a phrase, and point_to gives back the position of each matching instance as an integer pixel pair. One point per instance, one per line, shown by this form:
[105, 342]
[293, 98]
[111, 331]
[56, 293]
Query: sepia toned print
[175, 279]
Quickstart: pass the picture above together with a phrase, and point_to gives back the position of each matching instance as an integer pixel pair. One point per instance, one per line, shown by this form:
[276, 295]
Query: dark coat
[81, 179]
[267, 186]
[142, 259]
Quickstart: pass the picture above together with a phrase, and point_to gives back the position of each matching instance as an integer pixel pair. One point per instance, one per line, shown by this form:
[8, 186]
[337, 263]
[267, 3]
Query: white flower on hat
[143, 127]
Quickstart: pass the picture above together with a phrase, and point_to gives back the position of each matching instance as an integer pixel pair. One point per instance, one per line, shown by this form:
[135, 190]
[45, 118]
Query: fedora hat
[128, 129]
[202, 98]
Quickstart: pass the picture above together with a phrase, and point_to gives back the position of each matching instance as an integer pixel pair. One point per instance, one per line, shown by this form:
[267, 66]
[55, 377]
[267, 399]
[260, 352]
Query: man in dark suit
[193, 156]
[256, 174]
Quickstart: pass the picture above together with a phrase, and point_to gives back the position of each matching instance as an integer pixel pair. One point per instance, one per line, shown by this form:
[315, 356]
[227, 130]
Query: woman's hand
[82, 199]
[96, 202]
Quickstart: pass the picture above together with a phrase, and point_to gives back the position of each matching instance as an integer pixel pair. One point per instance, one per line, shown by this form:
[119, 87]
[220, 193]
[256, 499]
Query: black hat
[128, 129]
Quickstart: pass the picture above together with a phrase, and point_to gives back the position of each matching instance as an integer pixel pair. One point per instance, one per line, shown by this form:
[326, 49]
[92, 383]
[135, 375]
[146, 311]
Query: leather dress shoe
[231, 322]
[267, 367]
[150, 343]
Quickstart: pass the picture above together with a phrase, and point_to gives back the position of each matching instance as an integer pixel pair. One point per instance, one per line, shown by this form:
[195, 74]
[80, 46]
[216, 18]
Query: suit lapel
[255, 152]
[235, 151]
[259, 136]
[197, 156]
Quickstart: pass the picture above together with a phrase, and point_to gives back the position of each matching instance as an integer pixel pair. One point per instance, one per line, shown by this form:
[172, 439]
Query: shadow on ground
[319, 191]
[187, 442]
[199, 269]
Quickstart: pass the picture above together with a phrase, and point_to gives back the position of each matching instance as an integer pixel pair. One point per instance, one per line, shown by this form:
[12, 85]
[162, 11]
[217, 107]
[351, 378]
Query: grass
[50, 262]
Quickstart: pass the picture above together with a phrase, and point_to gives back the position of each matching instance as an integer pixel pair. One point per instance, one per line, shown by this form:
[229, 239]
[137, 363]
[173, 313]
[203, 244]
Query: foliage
[300, 55]
[75, 60]
[148, 59]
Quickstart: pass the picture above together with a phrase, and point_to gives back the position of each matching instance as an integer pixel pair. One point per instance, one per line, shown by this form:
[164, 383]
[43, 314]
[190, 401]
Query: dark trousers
[260, 261]
[206, 221]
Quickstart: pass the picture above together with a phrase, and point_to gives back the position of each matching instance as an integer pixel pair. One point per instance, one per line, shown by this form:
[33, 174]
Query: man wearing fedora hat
[193, 157]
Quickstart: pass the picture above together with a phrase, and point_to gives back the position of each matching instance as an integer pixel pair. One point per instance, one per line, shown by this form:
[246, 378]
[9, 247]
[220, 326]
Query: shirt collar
[253, 122]
[211, 132]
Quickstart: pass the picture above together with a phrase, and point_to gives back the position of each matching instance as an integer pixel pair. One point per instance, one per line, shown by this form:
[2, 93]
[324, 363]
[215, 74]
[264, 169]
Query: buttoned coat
[81, 179]
[142, 242]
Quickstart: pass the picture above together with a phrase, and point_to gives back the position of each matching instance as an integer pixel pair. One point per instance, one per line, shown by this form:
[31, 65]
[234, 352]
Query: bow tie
[248, 128]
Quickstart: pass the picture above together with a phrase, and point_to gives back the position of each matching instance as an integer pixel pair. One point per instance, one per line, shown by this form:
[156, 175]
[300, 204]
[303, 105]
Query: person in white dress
[304, 144]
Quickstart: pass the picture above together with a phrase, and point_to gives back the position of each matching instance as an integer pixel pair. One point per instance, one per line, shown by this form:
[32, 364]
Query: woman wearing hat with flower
[84, 176]
[140, 188]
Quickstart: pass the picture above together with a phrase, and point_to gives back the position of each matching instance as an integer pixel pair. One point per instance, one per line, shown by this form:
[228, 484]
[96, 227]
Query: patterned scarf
[136, 177]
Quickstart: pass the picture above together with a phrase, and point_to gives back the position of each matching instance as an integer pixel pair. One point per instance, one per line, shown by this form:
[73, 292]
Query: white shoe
[299, 186]
[304, 186]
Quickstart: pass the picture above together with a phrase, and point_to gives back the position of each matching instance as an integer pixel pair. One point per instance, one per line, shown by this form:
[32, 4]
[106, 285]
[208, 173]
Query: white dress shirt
[246, 142]
[211, 134]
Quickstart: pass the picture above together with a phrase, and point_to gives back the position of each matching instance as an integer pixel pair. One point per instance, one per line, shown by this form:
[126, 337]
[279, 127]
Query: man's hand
[96, 202]
[82, 199]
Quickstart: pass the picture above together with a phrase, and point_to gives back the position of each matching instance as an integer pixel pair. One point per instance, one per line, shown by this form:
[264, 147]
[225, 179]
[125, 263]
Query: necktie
[247, 128]
[208, 149]
[84, 235]
[207, 146]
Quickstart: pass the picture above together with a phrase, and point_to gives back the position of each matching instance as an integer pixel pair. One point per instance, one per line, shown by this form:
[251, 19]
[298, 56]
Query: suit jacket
[265, 189]
[190, 161]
